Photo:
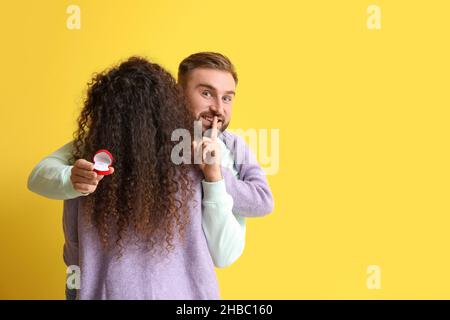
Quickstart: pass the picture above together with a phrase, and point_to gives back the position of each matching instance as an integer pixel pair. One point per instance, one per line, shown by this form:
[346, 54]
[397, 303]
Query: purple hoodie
[187, 272]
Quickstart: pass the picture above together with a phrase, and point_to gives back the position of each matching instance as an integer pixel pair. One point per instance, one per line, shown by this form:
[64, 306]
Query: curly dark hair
[131, 110]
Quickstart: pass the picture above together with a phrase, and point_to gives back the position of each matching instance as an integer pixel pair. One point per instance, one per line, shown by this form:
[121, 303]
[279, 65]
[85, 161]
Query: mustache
[212, 115]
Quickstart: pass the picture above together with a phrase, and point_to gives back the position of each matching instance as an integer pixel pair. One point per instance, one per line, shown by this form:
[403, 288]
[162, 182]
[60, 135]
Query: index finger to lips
[214, 130]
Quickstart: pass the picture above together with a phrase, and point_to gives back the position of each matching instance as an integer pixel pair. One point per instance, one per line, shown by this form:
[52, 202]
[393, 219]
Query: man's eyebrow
[214, 89]
[231, 92]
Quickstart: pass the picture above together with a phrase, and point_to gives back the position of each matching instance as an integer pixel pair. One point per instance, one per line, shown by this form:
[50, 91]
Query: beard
[207, 120]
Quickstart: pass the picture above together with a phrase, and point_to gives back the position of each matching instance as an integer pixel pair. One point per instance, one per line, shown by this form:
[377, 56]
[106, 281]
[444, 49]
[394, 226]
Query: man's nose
[217, 106]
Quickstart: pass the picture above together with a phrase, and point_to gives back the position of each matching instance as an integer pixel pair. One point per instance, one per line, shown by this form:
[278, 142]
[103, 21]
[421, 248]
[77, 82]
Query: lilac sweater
[187, 272]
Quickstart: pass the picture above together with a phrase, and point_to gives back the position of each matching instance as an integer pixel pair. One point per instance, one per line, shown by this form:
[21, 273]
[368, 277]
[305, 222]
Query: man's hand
[84, 178]
[210, 154]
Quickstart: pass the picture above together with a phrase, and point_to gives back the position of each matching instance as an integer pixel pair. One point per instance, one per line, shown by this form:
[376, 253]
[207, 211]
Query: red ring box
[103, 160]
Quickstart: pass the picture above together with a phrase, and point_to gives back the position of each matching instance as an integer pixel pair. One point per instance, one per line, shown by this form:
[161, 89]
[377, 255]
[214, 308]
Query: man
[209, 83]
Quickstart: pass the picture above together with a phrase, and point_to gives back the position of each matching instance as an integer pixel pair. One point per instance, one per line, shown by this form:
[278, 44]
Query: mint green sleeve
[224, 230]
[51, 176]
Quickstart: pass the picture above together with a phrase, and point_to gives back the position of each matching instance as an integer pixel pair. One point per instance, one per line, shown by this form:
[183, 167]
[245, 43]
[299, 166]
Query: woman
[139, 235]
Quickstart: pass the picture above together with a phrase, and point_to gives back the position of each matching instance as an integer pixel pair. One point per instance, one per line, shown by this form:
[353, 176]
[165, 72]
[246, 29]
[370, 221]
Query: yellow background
[363, 118]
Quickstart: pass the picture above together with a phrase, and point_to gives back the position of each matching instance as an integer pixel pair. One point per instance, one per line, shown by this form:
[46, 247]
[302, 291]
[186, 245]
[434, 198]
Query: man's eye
[206, 93]
[227, 98]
